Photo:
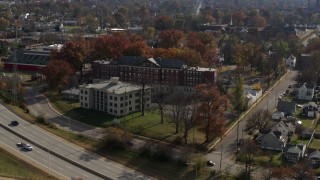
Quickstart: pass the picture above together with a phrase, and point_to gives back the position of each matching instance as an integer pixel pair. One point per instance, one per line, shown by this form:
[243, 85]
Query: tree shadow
[88, 156]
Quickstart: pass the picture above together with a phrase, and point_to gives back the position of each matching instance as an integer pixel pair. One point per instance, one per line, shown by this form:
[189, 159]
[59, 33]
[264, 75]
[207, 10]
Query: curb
[55, 154]
[246, 113]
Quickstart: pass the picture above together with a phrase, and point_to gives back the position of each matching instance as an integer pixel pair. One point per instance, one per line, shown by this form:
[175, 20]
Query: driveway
[39, 105]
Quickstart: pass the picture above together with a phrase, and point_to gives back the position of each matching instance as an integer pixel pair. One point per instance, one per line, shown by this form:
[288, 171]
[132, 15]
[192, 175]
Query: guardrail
[54, 153]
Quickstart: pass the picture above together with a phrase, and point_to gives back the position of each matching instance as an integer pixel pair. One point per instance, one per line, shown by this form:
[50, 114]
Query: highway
[67, 150]
[64, 169]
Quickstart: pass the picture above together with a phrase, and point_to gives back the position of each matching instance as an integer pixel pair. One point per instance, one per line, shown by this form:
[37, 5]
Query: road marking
[85, 175]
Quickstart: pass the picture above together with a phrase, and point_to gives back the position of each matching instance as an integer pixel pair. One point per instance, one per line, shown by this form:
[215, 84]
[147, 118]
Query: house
[286, 107]
[252, 95]
[291, 61]
[277, 115]
[286, 129]
[294, 152]
[314, 158]
[305, 92]
[310, 110]
[114, 97]
[72, 93]
[272, 140]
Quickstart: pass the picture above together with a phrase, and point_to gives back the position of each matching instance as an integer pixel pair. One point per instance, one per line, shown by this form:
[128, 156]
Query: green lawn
[315, 144]
[11, 166]
[296, 140]
[148, 125]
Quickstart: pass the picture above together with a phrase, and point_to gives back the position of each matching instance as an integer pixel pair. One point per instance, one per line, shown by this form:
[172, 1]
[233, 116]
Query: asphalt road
[228, 144]
[65, 169]
[72, 152]
[39, 105]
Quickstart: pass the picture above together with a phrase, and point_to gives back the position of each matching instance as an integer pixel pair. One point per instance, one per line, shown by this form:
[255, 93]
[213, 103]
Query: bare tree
[160, 98]
[259, 120]
[249, 150]
[189, 118]
[176, 106]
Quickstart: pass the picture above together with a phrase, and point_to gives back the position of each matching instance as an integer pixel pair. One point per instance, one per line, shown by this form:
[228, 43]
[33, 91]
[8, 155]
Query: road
[68, 150]
[39, 105]
[228, 145]
[66, 170]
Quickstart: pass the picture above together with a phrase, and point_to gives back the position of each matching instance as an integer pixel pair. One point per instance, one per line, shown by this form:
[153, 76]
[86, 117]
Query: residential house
[294, 152]
[305, 92]
[288, 108]
[252, 96]
[272, 140]
[310, 110]
[286, 129]
[314, 158]
[277, 115]
[115, 97]
[291, 61]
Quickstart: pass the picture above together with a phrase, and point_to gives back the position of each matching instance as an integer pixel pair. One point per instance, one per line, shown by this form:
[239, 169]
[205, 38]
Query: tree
[160, 98]
[176, 105]
[238, 17]
[249, 149]
[210, 113]
[281, 47]
[281, 172]
[58, 73]
[189, 118]
[238, 97]
[260, 120]
[163, 23]
[302, 171]
[171, 38]
[4, 24]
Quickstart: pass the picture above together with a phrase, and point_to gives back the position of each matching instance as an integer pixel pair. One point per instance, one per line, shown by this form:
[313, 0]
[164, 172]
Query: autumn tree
[74, 53]
[58, 73]
[163, 23]
[171, 38]
[4, 24]
[110, 47]
[238, 17]
[210, 113]
[260, 120]
[281, 172]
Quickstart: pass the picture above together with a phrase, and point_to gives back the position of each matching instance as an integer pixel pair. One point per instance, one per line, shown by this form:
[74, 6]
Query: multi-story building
[114, 97]
[153, 71]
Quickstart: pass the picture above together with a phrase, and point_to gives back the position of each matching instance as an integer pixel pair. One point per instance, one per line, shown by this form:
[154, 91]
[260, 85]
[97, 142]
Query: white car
[27, 147]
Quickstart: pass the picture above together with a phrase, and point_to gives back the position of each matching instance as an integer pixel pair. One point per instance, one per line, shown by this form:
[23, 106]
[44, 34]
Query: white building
[252, 95]
[291, 61]
[114, 97]
[305, 92]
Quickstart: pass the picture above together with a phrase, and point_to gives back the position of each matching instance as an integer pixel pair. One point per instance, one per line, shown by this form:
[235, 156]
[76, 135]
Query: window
[110, 97]
[81, 104]
[130, 96]
[115, 111]
[121, 105]
[130, 108]
[85, 98]
[129, 102]
[81, 91]
[110, 104]
[81, 97]
[121, 111]
[115, 98]
[121, 98]
[137, 94]
[86, 104]
[115, 104]
[110, 110]
[86, 92]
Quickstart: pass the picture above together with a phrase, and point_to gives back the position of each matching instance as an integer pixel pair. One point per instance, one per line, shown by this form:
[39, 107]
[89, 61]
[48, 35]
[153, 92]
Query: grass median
[13, 167]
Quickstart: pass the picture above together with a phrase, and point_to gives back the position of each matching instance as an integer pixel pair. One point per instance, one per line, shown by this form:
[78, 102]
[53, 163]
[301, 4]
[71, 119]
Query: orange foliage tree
[210, 113]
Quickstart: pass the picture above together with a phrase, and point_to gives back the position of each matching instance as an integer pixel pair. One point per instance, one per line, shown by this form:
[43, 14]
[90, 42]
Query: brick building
[153, 71]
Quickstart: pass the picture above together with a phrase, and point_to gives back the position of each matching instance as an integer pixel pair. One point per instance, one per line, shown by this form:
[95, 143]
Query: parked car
[240, 142]
[299, 106]
[14, 123]
[210, 163]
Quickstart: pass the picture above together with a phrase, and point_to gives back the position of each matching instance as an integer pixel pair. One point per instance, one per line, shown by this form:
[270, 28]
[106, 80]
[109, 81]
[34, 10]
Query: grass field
[13, 167]
[148, 125]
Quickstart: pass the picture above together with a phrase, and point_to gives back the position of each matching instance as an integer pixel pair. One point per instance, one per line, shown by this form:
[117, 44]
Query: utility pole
[15, 77]
[221, 157]
[237, 131]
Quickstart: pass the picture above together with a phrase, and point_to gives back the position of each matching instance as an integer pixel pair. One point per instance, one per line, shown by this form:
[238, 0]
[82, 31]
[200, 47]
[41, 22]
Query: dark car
[240, 142]
[14, 123]
[210, 163]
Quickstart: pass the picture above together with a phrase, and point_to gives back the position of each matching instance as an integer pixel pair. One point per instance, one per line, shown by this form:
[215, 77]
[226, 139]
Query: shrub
[178, 140]
[40, 119]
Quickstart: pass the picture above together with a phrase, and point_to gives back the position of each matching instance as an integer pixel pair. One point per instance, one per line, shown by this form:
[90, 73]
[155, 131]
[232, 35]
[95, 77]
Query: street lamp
[196, 165]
